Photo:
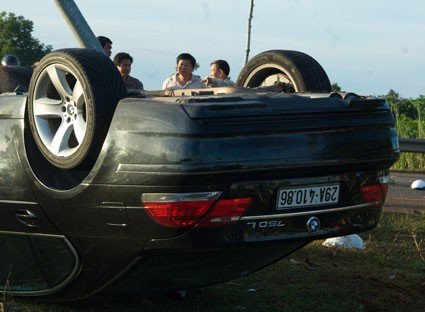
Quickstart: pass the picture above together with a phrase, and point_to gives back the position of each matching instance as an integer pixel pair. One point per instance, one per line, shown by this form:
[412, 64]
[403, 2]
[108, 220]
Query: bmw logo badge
[313, 225]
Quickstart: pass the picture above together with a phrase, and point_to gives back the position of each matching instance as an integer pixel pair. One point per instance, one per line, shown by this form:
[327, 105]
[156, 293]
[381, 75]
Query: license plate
[307, 196]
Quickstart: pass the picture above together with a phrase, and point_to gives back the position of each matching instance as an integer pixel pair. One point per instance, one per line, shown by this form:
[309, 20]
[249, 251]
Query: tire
[72, 97]
[290, 67]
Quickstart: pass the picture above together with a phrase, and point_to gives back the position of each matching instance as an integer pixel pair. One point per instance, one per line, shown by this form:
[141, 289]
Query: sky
[366, 46]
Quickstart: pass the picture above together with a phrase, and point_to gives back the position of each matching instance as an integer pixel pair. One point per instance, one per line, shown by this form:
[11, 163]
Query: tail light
[376, 193]
[188, 209]
[226, 211]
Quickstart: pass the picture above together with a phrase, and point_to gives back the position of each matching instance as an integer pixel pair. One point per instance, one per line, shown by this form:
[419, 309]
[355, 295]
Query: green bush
[409, 124]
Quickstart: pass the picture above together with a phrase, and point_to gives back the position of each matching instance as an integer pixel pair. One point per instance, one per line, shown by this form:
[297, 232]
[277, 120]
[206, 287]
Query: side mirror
[418, 185]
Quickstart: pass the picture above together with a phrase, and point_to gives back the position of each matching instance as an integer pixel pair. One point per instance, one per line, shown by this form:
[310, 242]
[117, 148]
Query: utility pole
[78, 24]
[248, 40]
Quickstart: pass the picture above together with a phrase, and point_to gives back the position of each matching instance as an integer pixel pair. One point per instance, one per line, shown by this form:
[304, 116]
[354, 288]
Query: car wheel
[282, 66]
[72, 97]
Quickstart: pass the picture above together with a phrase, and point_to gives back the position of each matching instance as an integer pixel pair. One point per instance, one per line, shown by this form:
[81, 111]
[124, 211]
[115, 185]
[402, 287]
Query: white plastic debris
[348, 241]
[418, 185]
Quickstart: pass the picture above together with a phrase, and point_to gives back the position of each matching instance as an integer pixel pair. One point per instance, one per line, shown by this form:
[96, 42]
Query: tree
[16, 39]
[403, 107]
[336, 87]
[393, 95]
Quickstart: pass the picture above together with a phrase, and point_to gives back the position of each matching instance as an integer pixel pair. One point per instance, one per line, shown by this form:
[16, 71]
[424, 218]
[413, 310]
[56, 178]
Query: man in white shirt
[184, 79]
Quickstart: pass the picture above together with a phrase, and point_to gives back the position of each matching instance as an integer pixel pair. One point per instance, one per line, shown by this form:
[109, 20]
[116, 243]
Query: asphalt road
[400, 195]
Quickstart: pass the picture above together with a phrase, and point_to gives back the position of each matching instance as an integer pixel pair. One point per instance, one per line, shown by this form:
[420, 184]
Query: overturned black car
[108, 191]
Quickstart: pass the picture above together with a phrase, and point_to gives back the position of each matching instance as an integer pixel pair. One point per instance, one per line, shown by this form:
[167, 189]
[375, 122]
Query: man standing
[184, 77]
[219, 75]
[106, 44]
[123, 62]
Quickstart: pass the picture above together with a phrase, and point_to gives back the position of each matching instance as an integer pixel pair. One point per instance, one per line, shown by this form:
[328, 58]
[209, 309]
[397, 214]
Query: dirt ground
[400, 195]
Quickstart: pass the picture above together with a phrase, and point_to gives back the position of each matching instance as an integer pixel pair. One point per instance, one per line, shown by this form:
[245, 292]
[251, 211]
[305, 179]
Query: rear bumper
[284, 228]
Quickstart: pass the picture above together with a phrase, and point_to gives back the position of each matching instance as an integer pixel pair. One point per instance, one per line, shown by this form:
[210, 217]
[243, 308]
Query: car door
[35, 257]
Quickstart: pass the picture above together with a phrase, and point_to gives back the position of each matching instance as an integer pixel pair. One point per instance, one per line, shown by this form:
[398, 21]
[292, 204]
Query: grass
[414, 162]
[388, 275]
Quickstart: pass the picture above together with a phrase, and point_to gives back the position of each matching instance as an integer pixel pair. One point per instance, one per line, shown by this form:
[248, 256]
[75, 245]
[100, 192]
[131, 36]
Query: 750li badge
[265, 224]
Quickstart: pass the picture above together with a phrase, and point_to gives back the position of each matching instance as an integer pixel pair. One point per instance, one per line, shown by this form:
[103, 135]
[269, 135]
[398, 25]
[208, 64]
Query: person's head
[123, 62]
[219, 69]
[106, 44]
[10, 60]
[185, 64]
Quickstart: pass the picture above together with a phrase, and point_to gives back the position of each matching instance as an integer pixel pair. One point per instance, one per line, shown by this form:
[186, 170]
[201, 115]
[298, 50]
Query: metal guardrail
[412, 145]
